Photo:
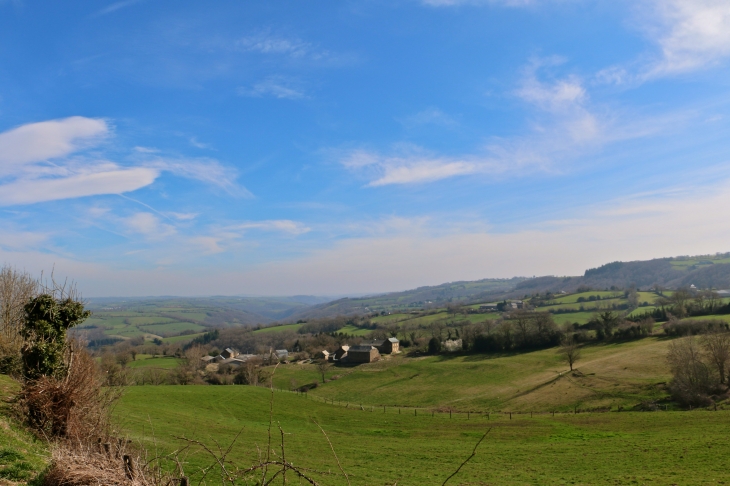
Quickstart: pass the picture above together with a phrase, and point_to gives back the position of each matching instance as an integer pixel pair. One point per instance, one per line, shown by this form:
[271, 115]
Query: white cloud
[269, 44]
[691, 34]
[276, 86]
[45, 162]
[564, 128]
[37, 142]
[420, 252]
[148, 225]
[281, 225]
[183, 216]
[91, 183]
[205, 170]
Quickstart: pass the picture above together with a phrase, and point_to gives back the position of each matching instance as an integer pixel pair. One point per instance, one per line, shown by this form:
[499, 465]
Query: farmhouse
[362, 354]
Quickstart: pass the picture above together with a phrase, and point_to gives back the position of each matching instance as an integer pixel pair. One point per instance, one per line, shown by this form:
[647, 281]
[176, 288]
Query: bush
[434, 345]
[487, 343]
[693, 380]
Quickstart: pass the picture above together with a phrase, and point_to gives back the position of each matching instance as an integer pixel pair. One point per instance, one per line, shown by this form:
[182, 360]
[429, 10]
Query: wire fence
[466, 414]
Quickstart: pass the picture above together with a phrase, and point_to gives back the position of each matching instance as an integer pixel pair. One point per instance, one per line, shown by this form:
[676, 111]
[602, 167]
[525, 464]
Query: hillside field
[608, 375]
[384, 448]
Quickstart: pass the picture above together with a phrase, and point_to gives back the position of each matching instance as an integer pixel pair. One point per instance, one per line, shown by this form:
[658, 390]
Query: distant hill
[422, 297]
[705, 272]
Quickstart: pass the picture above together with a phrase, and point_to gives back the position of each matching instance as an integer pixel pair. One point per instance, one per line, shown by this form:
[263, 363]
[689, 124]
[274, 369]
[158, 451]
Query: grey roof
[393, 340]
[361, 349]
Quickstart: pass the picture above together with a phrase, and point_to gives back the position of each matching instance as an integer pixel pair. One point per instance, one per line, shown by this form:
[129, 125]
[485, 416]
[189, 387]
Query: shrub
[434, 345]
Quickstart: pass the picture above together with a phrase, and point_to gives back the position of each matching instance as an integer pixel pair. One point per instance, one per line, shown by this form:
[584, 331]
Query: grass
[287, 327]
[384, 448]
[145, 361]
[355, 331]
[183, 338]
[613, 374]
[22, 456]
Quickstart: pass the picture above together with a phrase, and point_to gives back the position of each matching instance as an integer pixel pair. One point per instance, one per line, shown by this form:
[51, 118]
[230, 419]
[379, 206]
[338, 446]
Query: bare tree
[569, 350]
[693, 380]
[679, 299]
[323, 366]
[717, 349]
[16, 290]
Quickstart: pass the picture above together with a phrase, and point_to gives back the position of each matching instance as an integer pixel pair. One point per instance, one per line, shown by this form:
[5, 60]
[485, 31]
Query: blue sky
[157, 147]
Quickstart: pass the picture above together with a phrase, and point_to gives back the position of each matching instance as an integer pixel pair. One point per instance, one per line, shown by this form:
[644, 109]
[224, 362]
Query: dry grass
[85, 466]
[75, 408]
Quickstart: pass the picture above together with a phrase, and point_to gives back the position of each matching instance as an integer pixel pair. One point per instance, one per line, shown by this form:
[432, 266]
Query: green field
[388, 448]
[287, 327]
[145, 361]
[610, 375]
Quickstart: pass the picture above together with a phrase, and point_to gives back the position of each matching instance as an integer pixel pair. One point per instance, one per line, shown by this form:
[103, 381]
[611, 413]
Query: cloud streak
[46, 161]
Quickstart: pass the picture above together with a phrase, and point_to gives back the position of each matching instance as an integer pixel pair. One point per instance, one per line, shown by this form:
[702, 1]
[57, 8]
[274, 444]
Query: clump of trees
[699, 366]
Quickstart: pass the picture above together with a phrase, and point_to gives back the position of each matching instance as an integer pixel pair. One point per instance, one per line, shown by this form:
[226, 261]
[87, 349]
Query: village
[366, 352]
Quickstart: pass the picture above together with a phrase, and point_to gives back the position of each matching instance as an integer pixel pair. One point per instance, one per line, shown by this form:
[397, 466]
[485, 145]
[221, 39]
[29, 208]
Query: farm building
[385, 346]
[229, 353]
[362, 354]
[281, 353]
[341, 352]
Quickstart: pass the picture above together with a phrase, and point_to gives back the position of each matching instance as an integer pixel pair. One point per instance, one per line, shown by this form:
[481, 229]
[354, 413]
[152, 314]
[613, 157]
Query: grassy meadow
[608, 375]
[385, 448]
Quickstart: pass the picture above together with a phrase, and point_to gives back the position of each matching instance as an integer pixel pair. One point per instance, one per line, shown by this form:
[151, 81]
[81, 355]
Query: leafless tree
[693, 380]
[16, 289]
[717, 349]
[569, 350]
[679, 299]
[323, 366]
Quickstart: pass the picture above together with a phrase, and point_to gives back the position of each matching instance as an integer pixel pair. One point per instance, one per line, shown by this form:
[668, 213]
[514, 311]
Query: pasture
[608, 375]
[384, 448]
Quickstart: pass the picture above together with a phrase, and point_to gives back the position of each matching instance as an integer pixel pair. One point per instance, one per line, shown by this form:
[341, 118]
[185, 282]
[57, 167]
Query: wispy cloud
[149, 225]
[279, 225]
[276, 86]
[563, 128]
[115, 6]
[453, 3]
[429, 116]
[692, 34]
[206, 170]
[48, 161]
[268, 43]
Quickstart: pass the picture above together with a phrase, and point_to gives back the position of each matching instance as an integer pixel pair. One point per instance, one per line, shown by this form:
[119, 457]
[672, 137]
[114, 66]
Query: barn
[362, 354]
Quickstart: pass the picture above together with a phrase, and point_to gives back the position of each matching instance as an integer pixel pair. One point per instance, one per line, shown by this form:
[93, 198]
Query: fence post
[510, 415]
[128, 466]
[488, 418]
